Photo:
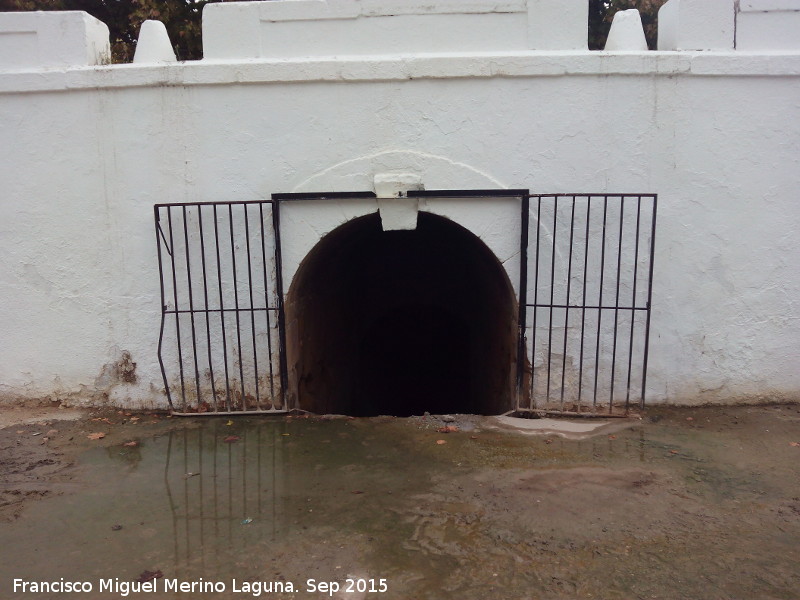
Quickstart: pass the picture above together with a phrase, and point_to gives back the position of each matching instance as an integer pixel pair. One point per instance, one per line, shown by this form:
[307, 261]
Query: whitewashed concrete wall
[87, 150]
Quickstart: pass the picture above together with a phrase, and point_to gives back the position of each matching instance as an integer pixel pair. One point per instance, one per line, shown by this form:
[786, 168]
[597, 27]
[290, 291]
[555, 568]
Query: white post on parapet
[153, 45]
[52, 40]
[558, 24]
[626, 33]
[696, 25]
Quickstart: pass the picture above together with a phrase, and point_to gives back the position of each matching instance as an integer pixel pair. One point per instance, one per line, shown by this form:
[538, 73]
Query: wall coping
[402, 68]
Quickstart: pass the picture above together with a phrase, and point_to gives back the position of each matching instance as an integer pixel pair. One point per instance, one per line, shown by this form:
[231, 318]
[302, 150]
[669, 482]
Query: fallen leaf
[794, 444]
[690, 418]
[190, 475]
[356, 492]
[150, 575]
[612, 437]
[134, 419]
[231, 438]
[285, 434]
[473, 437]
[447, 429]
[131, 444]
[229, 423]
[96, 436]
[673, 451]
[440, 442]
[548, 441]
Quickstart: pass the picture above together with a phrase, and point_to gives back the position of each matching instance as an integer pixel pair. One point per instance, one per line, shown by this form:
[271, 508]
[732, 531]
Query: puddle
[706, 508]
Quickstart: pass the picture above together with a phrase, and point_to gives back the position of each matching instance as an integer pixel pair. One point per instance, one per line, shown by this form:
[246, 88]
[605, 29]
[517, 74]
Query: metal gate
[585, 287]
[585, 295]
[222, 296]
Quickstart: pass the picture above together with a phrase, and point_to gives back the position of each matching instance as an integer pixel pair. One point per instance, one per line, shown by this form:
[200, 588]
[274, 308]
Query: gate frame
[524, 196]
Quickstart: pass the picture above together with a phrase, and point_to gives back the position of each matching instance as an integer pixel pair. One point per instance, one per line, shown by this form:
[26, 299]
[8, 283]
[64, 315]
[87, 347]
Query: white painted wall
[87, 151]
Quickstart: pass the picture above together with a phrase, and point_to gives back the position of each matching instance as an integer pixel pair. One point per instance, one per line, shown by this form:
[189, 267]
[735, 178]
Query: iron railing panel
[586, 327]
[221, 294]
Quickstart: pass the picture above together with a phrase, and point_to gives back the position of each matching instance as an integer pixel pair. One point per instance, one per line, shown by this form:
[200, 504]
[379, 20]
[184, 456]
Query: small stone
[448, 418]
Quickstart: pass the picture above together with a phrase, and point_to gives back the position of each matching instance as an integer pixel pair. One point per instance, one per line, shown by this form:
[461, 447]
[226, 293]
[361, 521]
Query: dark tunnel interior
[401, 322]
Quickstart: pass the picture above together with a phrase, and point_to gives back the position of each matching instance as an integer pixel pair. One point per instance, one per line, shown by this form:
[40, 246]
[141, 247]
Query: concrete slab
[575, 429]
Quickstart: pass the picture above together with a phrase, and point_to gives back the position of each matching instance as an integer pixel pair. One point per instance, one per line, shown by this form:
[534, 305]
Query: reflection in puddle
[485, 515]
[222, 494]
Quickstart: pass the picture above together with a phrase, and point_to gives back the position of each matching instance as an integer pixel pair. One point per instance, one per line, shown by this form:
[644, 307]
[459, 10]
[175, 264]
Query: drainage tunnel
[401, 322]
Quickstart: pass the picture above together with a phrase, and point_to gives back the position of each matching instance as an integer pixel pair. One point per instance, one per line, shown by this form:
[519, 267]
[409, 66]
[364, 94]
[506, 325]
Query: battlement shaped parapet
[296, 29]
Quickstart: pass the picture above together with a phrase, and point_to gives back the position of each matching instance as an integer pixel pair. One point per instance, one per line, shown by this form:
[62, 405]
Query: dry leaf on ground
[150, 575]
[440, 442]
[96, 436]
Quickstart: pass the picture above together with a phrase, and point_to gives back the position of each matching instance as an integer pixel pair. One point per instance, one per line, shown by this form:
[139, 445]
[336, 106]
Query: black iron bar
[252, 312]
[160, 231]
[258, 467]
[175, 299]
[159, 352]
[600, 302]
[649, 300]
[276, 226]
[244, 474]
[583, 298]
[222, 314]
[202, 498]
[173, 512]
[552, 291]
[205, 304]
[233, 310]
[576, 306]
[215, 480]
[466, 194]
[229, 474]
[266, 304]
[633, 302]
[616, 304]
[326, 196]
[236, 304]
[535, 299]
[566, 310]
[186, 498]
[191, 305]
[522, 317]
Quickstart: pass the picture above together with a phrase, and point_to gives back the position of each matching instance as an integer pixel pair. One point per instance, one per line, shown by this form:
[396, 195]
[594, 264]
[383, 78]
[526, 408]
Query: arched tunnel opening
[401, 322]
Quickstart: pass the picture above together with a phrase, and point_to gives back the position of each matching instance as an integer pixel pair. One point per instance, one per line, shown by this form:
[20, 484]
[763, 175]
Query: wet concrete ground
[700, 503]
